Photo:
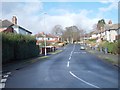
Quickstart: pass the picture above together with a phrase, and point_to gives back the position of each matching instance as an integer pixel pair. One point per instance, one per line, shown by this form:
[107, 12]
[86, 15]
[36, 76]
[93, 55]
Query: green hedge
[92, 40]
[112, 47]
[18, 47]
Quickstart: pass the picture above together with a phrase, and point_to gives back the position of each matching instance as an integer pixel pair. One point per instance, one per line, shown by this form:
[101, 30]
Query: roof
[25, 29]
[7, 23]
[51, 36]
[113, 26]
[96, 32]
[47, 35]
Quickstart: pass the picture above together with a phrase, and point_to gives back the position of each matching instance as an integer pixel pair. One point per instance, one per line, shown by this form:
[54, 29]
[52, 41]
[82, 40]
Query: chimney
[42, 33]
[14, 20]
[110, 22]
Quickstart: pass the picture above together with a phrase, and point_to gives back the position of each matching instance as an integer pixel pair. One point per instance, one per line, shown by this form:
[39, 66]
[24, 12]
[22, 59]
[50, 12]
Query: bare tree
[57, 30]
[71, 34]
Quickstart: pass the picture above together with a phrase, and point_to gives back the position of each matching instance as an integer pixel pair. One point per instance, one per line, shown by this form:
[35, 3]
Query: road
[72, 68]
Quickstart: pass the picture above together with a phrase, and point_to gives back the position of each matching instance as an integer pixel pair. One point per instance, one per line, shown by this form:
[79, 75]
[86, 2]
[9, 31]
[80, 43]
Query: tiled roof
[113, 27]
[47, 35]
[7, 23]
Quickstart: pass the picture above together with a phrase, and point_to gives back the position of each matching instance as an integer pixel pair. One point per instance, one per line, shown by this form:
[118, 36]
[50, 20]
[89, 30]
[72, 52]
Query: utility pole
[45, 35]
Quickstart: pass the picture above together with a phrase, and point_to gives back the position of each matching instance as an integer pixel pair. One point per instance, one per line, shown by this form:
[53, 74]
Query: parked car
[60, 44]
[82, 48]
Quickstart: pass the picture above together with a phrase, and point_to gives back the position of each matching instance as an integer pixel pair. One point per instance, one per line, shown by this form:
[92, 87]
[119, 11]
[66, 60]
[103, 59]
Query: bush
[92, 40]
[18, 47]
[112, 47]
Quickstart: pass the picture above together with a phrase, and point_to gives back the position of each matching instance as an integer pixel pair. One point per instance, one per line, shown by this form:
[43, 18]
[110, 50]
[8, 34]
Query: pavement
[72, 68]
[107, 57]
[15, 65]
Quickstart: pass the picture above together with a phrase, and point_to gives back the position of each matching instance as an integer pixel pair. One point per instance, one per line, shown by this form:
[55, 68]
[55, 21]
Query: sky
[38, 16]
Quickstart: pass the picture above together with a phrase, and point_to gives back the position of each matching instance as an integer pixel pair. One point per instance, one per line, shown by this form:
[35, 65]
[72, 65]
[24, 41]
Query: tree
[101, 24]
[94, 27]
[71, 34]
[57, 30]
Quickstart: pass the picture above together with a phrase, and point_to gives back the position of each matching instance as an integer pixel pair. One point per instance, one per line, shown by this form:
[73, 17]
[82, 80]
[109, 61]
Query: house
[41, 37]
[86, 37]
[109, 33]
[94, 34]
[8, 26]
[118, 33]
[112, 32]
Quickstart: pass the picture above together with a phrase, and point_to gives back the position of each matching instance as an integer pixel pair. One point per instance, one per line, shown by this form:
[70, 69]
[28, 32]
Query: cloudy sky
[38, 16]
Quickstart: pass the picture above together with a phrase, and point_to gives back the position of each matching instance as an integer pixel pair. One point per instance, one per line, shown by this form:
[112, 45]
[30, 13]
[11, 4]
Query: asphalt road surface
[72, 68]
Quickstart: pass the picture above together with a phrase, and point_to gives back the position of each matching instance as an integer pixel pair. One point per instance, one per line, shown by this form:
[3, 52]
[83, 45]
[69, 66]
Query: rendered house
[48, 37]
[112, 32]
[118, 32]
[8, 26]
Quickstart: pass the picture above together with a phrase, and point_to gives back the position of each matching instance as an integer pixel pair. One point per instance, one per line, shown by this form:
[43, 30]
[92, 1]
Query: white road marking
[88, 71]
[83, 80]
[5, 76]
[71, 52]
[79, 52]
[71, 55]
[76, 52]
[2, 85]
[3, 80]
[69, 58]
[8, 72]
[68, 64]
[83, 52]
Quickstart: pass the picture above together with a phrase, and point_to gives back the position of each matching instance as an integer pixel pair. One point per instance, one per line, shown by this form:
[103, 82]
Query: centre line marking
[83, 80]
[68, 64]
[69, 58]
[70, 55]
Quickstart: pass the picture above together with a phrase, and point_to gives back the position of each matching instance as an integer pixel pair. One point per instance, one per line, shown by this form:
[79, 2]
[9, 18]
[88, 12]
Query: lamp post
[45, 44]
[45, 35]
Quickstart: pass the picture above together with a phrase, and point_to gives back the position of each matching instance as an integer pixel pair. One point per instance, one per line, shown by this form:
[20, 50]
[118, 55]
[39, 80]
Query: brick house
[8, 26]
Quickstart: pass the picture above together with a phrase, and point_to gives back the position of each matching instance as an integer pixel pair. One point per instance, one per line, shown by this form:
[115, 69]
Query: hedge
[112, 47]
[18, 47]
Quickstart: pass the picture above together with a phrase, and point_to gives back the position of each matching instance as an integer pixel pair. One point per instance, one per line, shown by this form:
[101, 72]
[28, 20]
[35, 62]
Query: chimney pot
[14, 20]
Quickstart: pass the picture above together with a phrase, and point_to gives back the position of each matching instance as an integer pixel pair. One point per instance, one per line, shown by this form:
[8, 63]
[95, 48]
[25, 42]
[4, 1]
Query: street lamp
[45, 44]
[45, 35]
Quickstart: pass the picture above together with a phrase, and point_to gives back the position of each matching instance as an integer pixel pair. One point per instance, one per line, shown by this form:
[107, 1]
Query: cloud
[30, 16]
[26, 12]
[68, 19]
[102, 1]
[113, 5]
[106, 1]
